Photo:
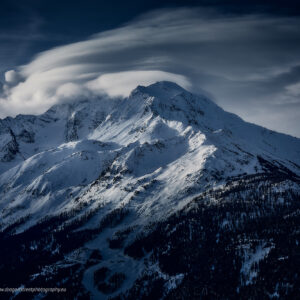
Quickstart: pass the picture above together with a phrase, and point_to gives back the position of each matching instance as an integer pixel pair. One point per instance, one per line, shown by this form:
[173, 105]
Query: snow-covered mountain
[94, 192]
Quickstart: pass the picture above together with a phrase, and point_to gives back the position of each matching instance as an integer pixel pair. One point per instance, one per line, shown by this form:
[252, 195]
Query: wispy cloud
[248, 63]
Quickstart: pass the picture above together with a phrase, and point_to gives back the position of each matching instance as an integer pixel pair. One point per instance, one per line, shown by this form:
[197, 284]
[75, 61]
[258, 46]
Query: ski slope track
[153, 196]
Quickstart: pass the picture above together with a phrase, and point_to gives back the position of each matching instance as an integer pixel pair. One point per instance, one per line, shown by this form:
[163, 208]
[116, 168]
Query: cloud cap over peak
[249, 63]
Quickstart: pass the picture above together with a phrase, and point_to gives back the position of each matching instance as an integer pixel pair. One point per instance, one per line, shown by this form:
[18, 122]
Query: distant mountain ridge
[94, 190]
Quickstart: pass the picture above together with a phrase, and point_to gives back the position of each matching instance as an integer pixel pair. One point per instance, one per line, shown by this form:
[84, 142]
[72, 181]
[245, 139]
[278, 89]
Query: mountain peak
[86, 186]
[159, 88]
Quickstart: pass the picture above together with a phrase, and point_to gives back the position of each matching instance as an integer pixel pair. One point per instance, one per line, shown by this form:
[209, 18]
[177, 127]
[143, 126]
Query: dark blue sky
[37, 25]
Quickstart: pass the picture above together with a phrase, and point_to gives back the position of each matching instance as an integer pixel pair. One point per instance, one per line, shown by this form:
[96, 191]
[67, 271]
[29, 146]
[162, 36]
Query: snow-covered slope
[147, 156]
[161, 132]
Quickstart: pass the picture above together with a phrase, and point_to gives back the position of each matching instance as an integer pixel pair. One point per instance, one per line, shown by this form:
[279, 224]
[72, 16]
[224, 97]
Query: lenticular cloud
[244, 62]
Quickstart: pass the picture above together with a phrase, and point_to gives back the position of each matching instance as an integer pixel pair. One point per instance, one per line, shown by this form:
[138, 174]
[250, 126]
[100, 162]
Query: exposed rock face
[10, 146]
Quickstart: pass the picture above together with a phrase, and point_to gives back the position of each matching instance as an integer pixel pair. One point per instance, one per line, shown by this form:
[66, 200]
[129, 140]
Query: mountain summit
[154, 196]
